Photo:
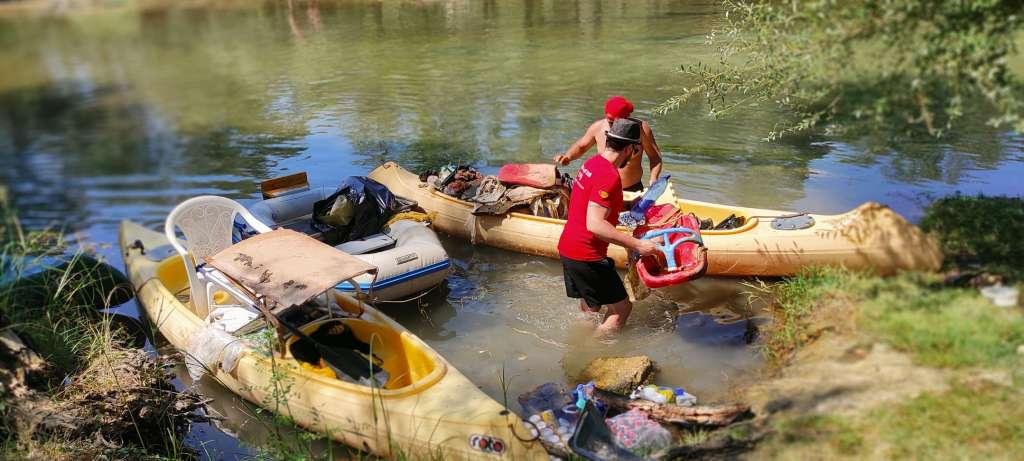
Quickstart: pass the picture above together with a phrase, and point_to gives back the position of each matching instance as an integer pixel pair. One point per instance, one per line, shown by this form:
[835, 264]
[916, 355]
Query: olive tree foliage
[906, 67]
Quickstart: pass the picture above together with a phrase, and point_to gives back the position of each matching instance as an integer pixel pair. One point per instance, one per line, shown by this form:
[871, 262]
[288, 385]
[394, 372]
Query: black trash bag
[594, 441]
[371, 204]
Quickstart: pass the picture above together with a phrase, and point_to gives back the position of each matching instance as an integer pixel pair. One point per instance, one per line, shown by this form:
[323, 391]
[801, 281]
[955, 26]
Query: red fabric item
[617, 107]
[691, 258]
[597, 181]
[539, 175]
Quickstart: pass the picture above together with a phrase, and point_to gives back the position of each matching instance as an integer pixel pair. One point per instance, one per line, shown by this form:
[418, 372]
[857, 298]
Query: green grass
[796, 299]
[939, 326]
[966, 422]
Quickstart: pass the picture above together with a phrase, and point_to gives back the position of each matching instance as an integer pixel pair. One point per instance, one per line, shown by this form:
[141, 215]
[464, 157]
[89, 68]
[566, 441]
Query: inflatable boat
[408, 255]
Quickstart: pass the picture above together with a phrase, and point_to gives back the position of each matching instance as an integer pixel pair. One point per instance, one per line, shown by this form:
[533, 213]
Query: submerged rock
[619, 375]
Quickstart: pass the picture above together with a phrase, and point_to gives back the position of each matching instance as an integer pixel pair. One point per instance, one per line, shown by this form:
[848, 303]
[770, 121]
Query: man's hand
[646, 247]
[561, 159]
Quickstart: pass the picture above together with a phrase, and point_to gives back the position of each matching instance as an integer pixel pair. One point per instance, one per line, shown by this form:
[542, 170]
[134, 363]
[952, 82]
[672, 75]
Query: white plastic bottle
[684, 398]
[648, 392]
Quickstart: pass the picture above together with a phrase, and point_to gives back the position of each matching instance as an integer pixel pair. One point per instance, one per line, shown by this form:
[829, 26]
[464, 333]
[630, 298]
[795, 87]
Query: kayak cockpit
[408, 363]
[402, 361]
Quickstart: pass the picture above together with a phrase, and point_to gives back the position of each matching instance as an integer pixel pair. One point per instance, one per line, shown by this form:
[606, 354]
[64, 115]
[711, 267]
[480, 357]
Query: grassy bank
[968, 349]
[71, 386]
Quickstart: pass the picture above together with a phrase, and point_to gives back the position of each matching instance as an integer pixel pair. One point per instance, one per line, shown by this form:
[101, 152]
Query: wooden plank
[276, 187]
[701, 415]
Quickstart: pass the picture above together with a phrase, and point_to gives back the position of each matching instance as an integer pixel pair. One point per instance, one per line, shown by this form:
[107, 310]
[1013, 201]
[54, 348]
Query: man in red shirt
[632, 172]
[594, 208]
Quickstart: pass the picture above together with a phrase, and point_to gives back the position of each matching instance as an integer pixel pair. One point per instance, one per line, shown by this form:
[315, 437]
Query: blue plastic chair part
[669, 247]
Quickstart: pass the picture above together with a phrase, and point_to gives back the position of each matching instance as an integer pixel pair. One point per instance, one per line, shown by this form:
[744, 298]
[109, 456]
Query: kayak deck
[870, 237]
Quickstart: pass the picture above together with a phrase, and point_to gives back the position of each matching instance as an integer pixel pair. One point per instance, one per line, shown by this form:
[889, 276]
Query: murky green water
[120, 115]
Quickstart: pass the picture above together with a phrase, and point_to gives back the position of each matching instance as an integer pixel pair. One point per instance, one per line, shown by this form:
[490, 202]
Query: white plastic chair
[207, 223]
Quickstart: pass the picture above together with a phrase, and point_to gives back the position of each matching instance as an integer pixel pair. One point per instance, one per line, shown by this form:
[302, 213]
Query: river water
[121, 114]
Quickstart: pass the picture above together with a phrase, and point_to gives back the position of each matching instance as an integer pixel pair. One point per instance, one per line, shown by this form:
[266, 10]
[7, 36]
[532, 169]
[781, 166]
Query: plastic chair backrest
[206, 222]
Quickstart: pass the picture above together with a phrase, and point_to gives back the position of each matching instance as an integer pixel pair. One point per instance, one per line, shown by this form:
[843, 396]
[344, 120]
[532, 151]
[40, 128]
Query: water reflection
[121, 115]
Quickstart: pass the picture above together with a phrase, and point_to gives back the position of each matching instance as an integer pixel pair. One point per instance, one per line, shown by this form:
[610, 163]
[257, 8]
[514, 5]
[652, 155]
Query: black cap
[625, 129]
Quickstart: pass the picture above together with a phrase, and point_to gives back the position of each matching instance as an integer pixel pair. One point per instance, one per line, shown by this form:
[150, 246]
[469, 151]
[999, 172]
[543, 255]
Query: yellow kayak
[427, 409]
[870, 236]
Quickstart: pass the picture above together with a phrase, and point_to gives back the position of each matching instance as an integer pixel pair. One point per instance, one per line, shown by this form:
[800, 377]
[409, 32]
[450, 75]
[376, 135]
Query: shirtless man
[632, 174]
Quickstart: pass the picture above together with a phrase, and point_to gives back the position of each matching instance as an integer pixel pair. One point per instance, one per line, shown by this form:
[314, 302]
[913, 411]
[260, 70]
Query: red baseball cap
[618, 107]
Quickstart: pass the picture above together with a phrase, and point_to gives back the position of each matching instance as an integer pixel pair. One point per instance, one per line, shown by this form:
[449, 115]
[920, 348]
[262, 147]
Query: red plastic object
[691, 257]
[539, 175]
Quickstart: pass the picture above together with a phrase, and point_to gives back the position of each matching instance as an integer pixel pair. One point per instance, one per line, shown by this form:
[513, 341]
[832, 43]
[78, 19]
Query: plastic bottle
[570, 414]
[684, 398]
[650, 393]
[639, 209]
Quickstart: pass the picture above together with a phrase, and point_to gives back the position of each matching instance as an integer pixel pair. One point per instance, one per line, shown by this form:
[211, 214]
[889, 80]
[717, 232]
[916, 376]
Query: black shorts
[594, 281]
[638, 187]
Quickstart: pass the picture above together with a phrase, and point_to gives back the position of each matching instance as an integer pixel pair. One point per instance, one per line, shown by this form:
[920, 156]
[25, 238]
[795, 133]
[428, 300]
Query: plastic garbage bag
[547, 396]
[230, 318]
[366, 207]
[210, 348]
[594, 441]
[636, 432]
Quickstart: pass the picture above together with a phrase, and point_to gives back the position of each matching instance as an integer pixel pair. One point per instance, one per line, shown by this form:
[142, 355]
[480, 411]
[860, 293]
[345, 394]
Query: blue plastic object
[640, 207]
[581, 396]
[669, 247]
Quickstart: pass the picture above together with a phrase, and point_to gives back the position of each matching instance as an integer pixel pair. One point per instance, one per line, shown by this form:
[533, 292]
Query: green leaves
[900, 66]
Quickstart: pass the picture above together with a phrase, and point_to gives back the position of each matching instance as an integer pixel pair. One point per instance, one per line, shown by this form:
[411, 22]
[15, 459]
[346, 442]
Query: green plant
[979, 232]
[900, 66]
[796, 298]
[940, 326]
[979, 421]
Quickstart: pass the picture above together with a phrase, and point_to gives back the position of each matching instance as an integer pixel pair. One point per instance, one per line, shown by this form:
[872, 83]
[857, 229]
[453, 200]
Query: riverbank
[889, 368]
[918, 365]
[73, 384]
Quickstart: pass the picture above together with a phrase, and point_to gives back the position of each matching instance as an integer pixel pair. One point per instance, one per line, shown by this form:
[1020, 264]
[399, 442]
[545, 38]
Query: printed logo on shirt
[603, 194]
[585, 171]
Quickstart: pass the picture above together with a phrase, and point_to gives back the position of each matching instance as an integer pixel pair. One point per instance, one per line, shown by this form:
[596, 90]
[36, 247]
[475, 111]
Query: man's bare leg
[584, 307]
[615, 318]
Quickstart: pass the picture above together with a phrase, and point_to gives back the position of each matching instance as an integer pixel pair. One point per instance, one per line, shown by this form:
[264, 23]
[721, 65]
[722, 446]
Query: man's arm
[652, 149]
[604, 230]
[580, 147]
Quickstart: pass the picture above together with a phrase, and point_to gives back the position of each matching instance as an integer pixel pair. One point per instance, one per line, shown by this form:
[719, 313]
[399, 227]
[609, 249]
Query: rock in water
[619, 375]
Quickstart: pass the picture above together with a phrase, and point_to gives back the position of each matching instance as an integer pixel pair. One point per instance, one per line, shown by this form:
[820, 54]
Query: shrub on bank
[979, 233]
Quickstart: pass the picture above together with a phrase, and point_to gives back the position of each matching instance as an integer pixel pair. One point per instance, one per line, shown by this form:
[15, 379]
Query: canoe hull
[437, 416]
[870, 237]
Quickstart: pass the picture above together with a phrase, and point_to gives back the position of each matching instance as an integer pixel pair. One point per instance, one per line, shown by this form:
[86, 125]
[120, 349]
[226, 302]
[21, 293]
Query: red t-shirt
[597, 181]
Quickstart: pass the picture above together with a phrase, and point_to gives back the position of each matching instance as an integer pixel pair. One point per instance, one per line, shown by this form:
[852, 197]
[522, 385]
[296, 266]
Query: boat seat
[366, 244]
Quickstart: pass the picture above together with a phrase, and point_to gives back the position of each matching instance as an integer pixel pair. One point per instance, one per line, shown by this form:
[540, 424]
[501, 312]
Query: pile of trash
[595, 422]
[537, 189]
[582, 422]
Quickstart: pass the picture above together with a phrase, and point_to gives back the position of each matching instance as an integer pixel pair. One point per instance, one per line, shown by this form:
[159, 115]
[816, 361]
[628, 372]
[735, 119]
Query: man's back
[633, 172]
[617, 107]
